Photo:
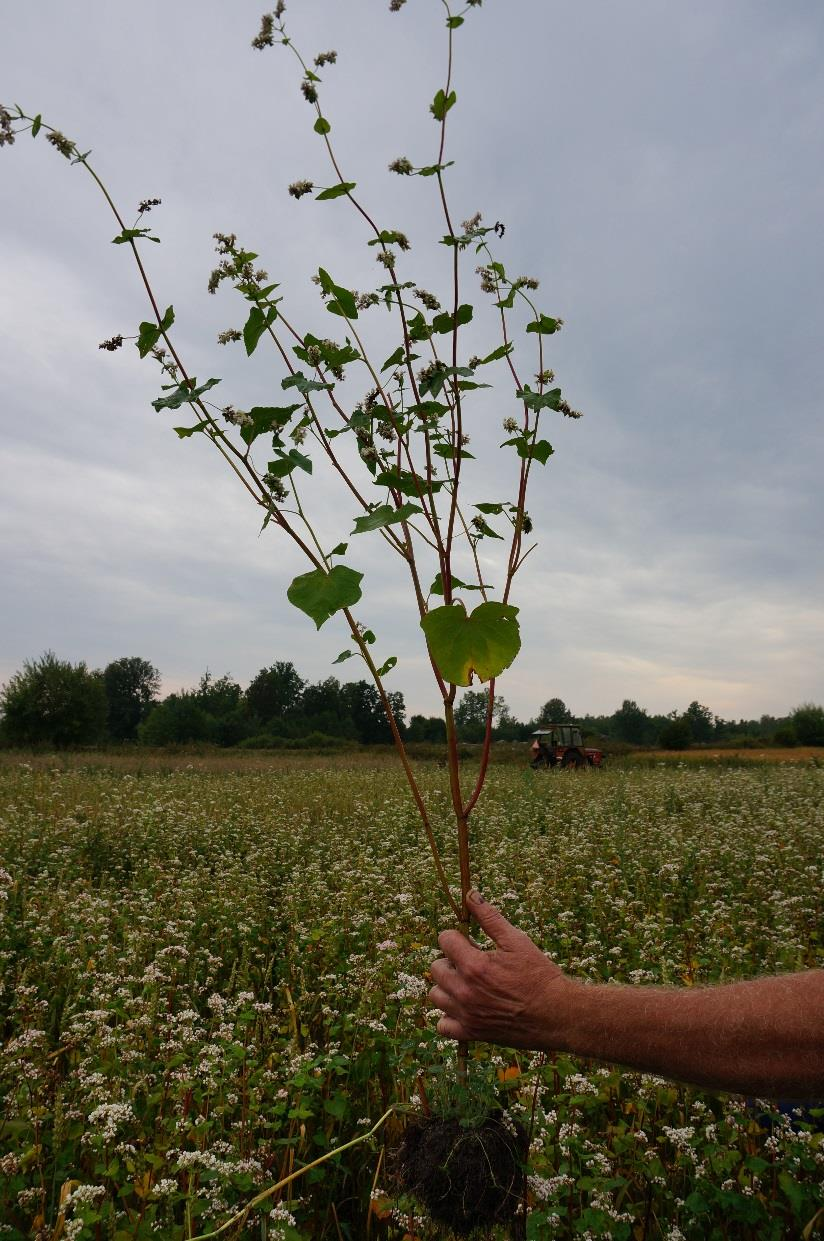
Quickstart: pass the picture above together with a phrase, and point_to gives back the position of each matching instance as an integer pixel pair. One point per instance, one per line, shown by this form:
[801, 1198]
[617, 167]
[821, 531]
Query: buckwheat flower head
[365, 300]
[308, 91]
[61, 143]
[146, 204]
[231, 333]
[395, 6]
[429, 300]
[114, 342]
[386, 257]
[298, 188]
[510, 425]
[6, 131]
[265, 36]
[472, 224]
[488, 279]
[545, 377]
[402, 166]
[276, 488]
[325, 58]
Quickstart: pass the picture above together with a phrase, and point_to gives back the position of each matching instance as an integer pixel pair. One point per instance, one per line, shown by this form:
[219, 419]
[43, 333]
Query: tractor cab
[562, 745]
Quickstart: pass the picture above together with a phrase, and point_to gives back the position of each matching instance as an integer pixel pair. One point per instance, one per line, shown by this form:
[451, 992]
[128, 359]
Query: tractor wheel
[573, 758]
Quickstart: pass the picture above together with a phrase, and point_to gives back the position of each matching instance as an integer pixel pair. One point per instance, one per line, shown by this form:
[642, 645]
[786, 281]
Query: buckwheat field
[213, 975]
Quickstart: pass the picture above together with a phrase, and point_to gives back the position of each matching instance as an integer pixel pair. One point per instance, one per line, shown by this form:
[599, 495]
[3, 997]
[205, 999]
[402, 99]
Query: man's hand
[512, 995]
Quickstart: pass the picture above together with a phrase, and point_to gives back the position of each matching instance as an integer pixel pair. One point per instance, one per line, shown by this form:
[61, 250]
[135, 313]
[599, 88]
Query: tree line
[55, 703]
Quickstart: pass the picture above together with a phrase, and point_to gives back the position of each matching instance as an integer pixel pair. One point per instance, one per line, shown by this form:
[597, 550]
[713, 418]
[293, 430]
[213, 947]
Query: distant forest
[51, 702]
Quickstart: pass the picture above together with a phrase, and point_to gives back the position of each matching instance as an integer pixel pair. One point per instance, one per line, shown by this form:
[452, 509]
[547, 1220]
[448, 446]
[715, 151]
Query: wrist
[563, 1008]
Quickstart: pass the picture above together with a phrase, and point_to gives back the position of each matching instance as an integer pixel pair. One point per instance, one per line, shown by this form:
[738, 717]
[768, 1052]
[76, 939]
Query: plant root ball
[467, 1177]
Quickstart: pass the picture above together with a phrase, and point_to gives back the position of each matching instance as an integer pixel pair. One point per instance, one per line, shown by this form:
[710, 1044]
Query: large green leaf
[336, 191]
[445, 322]
[544, 325]
[266, 418]
[320, 594]
[287, 462]
[540, 450]
[481, 644]
[256, 325]
[149, 333]
[183, 394]
[441, 104]
[299, 381]
[343, 302]
[384, 515]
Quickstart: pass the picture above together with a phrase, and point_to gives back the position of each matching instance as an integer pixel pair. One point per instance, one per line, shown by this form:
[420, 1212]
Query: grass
[214, 973]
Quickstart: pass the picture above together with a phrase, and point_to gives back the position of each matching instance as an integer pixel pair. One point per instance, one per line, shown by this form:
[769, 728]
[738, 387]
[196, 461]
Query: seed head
[395, 6]
[113, 343]
[6, 131]
[325, 58]
[488, 279]
[308, 91]
[265, 36]
[275, 487]
[237, 417]
[147, 204]
[566, 409]
[298, 188]
[429, 300]
[526, 282]
[402, 166]
[61, 143]
[226, 242]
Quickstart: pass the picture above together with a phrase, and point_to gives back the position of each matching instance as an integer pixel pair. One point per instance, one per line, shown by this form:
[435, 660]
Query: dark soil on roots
[467, 1177]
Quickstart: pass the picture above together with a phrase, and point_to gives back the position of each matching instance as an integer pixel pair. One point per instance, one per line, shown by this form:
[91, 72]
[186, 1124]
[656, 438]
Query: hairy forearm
[764, 1037]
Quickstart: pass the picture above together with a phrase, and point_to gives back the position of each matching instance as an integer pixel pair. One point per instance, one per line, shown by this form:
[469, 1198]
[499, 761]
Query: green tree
[275, 692]
[701, 722]
[132, 686]
[470, 714]
[179, 719]
[676, 734]
[363, 705]
[555, 711]
[631, 723]
[55, 703]
[807, 721]
[427, 728]
[219, 696]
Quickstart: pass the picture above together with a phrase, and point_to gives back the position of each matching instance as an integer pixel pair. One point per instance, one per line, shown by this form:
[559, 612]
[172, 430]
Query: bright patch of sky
[659, 168]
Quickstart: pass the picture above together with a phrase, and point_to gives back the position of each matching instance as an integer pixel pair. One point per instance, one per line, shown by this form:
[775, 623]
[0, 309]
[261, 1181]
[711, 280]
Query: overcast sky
[660, 169]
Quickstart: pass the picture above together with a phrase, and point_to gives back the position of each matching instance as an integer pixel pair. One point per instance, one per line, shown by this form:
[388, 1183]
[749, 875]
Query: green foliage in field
[212, 978]
[53, 702]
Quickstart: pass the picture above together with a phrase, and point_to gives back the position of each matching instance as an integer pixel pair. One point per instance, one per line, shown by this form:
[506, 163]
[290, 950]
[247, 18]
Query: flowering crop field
[211, 978]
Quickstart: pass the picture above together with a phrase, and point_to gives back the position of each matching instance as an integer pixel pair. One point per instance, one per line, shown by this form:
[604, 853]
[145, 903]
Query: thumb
[492, 921]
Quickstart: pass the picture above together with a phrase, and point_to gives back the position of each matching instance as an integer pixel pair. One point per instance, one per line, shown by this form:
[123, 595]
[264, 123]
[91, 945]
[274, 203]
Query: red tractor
[561, 745]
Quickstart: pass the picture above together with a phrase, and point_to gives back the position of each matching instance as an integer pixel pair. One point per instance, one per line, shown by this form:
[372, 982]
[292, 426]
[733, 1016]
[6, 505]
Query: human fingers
[443, 971]
[448, 1027]
[491, 920]
[457, 948]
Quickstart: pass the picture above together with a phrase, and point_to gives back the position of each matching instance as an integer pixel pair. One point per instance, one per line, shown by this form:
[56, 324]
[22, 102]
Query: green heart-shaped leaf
[320, 594]
[481, 644]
